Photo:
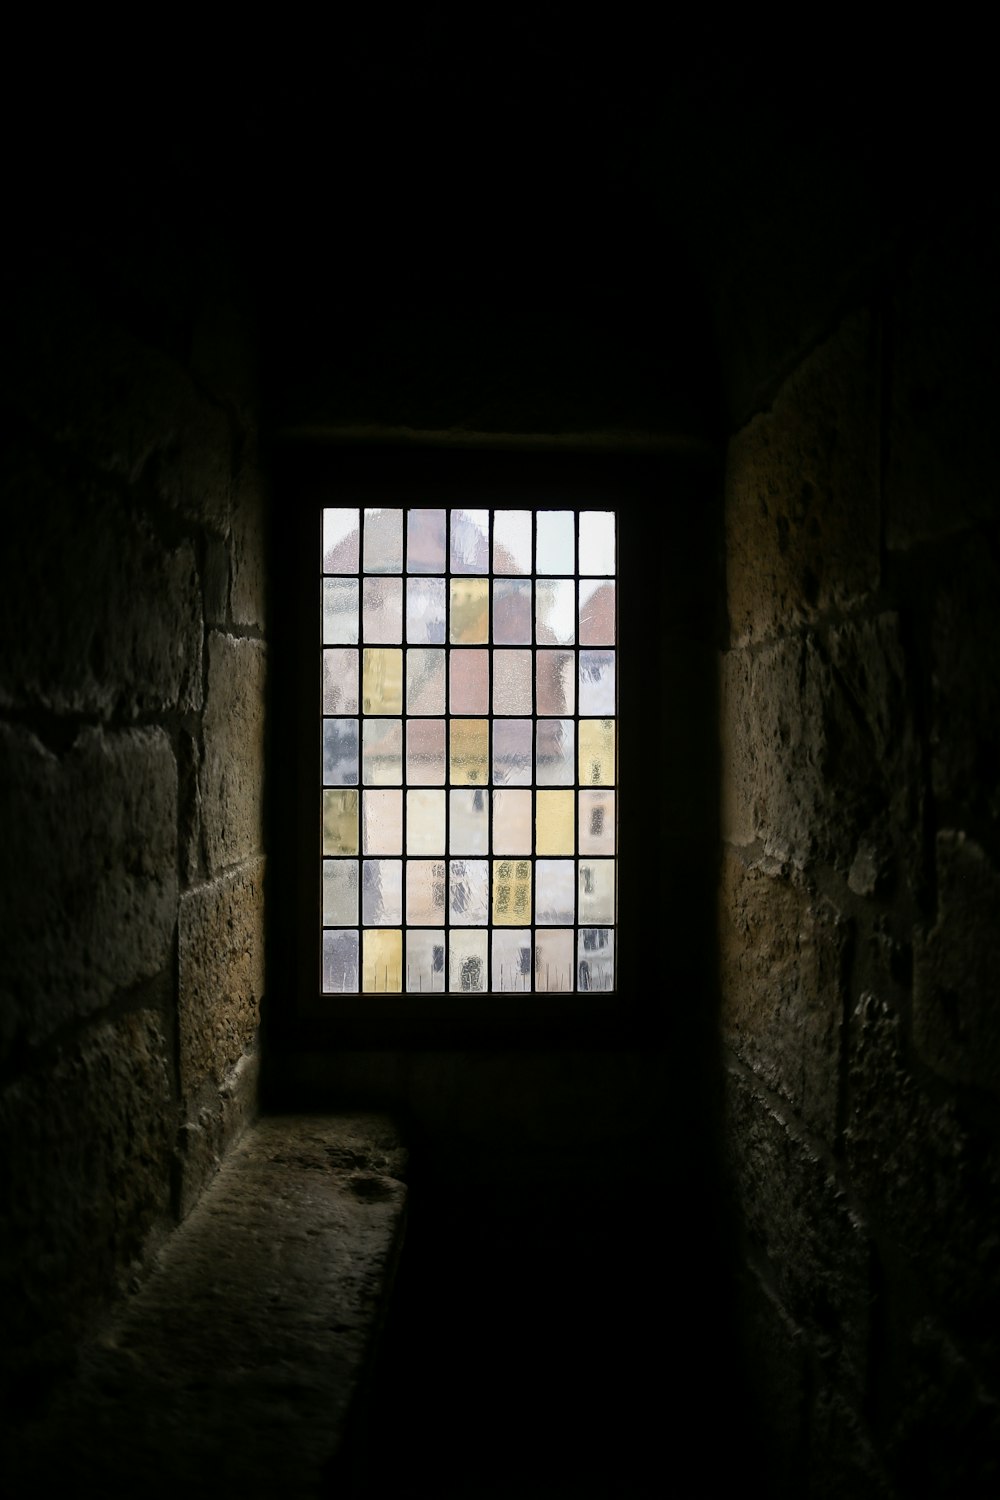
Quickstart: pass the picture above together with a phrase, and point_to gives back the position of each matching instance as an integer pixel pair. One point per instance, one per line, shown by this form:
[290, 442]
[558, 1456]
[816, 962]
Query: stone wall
[859, 902]
[132, 673]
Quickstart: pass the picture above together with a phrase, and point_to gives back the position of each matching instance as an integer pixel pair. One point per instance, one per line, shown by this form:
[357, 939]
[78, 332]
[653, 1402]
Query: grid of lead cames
[468, 690]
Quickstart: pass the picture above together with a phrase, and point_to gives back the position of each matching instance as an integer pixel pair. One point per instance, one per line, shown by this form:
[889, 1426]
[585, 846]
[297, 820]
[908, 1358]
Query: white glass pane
[381, 892]
[512, 752]
[555, 611]
[597, 542]
[467, 965]
[511, 959]
[340, 752]
[555, 892]
[597, 682]
[341, 623]
[555, 545]
[340, 680]
[468, 892]
[382, 611]
[383, 541]
[425, 611]
[512, 541]
[469, 829]
[595, 951]
[341, 540]
[424, 961]
[555, 752]
[470, 541]
[425, 541]
[425, 822]
[340, 892]
[340, 963]
[382, 823]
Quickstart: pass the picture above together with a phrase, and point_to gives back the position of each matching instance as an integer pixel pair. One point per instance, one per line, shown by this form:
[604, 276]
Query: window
[468, 734]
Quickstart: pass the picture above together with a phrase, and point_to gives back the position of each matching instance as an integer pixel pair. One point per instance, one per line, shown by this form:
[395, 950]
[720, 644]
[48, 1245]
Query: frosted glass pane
[382, 680]
[382, 823]
[340, 680]
[382, 752]
[470, 541]
[468, 892]
[596, 959]
[340, 822]
[555, 892]
[340, 611]
[470, 611]
[425, 752]
[597, 541]
[555, 542]
[511, 892]
[555, 611]
[425, 611]
[340, 752]
[382, 611]
[383, 541]
[383, 962]
[512, 752]
[468, 828]
[512, 612]
[381, 891]
[511, 822]
[425, 822]
[555, 682]
[597, 752]
[597, 612]
[470, 682]
[340, 892]
[512, 541]
[424, 962]
[340, 963]
[554, 961]
[555, 752]
[597, 682]
[470, 751]
[597, 890]
[512, 682]
[425, 681]
[425, 892]
[512, 959]
[554, 822]
[467, 969]
[426, 534]
[341, 540]
[597, 822]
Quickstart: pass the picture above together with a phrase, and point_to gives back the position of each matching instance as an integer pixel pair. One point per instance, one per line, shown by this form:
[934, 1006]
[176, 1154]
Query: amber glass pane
[470, 611]
[470, 682]
[425, 822]
[467, 966]
[554, 813]
[470, 751]
[511, 892]
[340, 963]
[341, 540]
[597, 752]
[383, 962]
[512, 959]
[382, 680]
[340, 822]
[426, 537]
[382, 611]
[383, 541]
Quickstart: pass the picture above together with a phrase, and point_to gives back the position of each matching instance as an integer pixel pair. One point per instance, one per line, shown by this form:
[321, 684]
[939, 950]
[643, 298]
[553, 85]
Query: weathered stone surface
[204, 1139]
[956, 1019]
[965, 679]
[88, 874]
[945, 1439]
[796, 1215]
[221, 958]
[248, 596]
[802, 514]
[739, 748]
[216, 573]
[777, 1357]
[782, 979]
[842, 1457]
[189, 806]
[99, 615]
[87, 1148]
[232, 769]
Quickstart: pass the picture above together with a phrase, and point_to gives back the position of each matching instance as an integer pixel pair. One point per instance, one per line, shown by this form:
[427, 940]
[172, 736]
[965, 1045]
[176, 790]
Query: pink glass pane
[382, 822]
[512, 822]
[382, 611]
[425, 881]
[470, 682]
[512, 612]
[554, 960]
[425, 541]
[425, 681]
[555, 680]
[425, 752]
[512, 682]
[597, 612]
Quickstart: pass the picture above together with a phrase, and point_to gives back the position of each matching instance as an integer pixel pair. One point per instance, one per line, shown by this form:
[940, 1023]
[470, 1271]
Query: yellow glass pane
[382, 962]
[340, 821]
[511, 892]
[470, 611]
[382, 681]
[597, 752]
[470, 751]
[554, 817]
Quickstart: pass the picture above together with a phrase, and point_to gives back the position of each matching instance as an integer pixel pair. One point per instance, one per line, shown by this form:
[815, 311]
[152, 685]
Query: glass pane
[511, 892]
[512, 682]
[424, 962]
[425, 681]
[382, 680]
[468, 830]
[597, 682]
[596, 959]
[512, 612]
[555, 892]
[341, 540]
[381, 891]
[597, 541]
[340, 611]
[512, 822]
[597, 890]
[470, 611]
[470, 751]
[340, 681]
[512, 541]
[382, 611]
[555, 681]
[554, 823]
[425, 822]
[512, 959]
[555, 611]
[425, 892]
[425, 541]
[340, 822]
[383, 541]
[382, 823]
[340, 963]
[425, 752]
[555, 752]
[470, 682]
[340, 752]
[597, 752]
[382, 752]
[555, 544]
[467, 970]
[383, 962]
[470, 541]
[597, 612]
[597, 822]
[468, 892]
[425, 611]
[512, 752]
[553, 961]
[340, 892]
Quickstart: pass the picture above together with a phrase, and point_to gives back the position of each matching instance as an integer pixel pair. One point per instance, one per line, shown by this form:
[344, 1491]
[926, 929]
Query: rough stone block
[99, 615]
[782, 955]
[739, 748]
[248, 544]
[232, 770]
[777, 1360]
[965, 679]
[88, 874]
[842, 1457]
[802, 513]
[204, 1139]
[221, 956]
[945, 1439]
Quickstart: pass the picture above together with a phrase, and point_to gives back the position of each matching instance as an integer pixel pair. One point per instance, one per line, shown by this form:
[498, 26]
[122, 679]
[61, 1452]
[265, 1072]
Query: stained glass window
[468, 704]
